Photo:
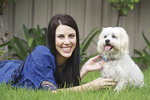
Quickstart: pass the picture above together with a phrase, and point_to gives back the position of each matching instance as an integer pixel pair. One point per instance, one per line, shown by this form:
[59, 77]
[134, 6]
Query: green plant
[3, 4]
[37, 36]
[3, 56]
[2, 52]
[86, 43]
[122, 7]
[21, 47]
[144, 55]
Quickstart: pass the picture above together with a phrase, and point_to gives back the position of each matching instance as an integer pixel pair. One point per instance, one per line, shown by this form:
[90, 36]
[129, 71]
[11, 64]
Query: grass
[9, 93]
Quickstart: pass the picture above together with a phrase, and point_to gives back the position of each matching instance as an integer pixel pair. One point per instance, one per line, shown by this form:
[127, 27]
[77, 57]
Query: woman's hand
[96, 84]
[102, 83]
[91, 65]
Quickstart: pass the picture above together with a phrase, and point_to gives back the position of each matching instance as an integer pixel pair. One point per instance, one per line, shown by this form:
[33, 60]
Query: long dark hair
[71, 74]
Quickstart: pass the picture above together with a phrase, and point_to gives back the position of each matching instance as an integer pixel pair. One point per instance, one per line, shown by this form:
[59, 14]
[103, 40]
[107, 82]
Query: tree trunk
[2, 30]
[118, 19]
[3, 36]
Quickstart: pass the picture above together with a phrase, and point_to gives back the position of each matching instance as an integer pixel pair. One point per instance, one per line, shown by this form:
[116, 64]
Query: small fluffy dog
[113, 45]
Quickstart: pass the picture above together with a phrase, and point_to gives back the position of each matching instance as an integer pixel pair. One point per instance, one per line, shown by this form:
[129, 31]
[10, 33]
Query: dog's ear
[99, 45]
[124, 43]
[99, 49]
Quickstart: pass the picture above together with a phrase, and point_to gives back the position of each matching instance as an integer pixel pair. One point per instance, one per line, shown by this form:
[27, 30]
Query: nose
[67, 41]
[107, 41]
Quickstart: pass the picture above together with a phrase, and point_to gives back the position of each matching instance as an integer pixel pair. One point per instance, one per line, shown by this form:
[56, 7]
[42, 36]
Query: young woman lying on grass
[56, 65]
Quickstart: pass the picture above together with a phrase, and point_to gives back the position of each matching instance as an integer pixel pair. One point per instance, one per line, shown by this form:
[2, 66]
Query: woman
[56, 65]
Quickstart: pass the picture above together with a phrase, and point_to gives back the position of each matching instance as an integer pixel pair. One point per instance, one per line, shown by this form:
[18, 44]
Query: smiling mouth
[66, 49]
[108, 47]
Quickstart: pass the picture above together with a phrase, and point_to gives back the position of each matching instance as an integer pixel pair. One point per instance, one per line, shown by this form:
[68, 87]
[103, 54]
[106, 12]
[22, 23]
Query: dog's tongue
[107, 48]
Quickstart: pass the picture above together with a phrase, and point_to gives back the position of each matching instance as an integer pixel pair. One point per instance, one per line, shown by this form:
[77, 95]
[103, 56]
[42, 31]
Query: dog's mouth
[108, 47]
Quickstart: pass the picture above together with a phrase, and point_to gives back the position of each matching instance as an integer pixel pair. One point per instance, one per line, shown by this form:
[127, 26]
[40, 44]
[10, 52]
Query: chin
[113, 45]
[66, 55]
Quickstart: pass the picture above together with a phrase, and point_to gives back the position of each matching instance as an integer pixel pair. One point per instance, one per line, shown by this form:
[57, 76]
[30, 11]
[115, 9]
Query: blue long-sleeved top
[39, 66]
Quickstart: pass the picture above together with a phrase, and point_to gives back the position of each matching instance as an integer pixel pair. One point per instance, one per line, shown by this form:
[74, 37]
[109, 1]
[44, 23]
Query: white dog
[113, 45]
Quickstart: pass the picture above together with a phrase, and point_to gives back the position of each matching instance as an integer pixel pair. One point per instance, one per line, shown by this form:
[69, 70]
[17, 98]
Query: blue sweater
[39, 66]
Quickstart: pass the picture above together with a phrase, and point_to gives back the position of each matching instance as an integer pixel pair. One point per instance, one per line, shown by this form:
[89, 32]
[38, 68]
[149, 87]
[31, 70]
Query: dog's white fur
[120, 66]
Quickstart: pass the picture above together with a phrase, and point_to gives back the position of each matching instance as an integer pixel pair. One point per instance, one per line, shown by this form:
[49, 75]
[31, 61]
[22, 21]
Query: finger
[96, 57]
[110, 83]
[102, 62]
[109, 79]
[105, 79]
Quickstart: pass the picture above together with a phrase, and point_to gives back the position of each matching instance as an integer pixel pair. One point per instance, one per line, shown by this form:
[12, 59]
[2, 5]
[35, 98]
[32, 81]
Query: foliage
[123, 6]
[85, 44]
[3, 4]
[144, 55]
[37, 36]
[2, 52]
[21, 47]
[3, 56]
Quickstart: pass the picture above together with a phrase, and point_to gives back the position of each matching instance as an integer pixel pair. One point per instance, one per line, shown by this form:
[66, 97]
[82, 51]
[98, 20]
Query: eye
[71, 36]
[105, 36]
[113, 36]
[60, 36]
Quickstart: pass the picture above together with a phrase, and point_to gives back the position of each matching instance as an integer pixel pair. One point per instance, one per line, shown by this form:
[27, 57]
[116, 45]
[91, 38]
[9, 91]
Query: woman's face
[65, 40]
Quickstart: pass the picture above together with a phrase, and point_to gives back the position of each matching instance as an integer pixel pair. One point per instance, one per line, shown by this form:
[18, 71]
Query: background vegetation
[143, 58]
[37, 36]
[122, 7]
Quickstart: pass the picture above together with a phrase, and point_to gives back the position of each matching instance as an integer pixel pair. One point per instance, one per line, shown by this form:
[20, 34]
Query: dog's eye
[105, 36]
[114, 36]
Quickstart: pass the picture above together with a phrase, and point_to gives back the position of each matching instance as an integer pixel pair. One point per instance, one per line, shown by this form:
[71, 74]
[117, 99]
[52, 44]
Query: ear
[124, 44]
[99, 46]
[99, 49]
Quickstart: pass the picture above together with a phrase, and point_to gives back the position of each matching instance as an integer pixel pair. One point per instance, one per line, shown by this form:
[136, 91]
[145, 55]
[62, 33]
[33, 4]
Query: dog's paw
[120, 86]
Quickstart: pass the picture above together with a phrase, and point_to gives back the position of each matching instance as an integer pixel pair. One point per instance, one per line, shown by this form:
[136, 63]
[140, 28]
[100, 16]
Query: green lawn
[9, 93]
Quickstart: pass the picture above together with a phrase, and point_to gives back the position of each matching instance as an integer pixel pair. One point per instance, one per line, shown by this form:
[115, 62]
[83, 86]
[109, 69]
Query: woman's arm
[91, 65]
[96, 84]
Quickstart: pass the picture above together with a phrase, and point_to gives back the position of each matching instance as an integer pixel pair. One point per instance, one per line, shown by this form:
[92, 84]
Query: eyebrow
[62, 33]
[59, 34]
[72, 33]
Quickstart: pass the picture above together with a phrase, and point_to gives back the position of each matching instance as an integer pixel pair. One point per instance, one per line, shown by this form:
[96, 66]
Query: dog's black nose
[107, 41]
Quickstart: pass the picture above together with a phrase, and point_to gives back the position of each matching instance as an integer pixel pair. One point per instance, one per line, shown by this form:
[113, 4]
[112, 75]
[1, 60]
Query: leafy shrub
[144, 55]
[122, 7]
[2, 52]
[86, 43]
[35, 37]
[21, 47]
